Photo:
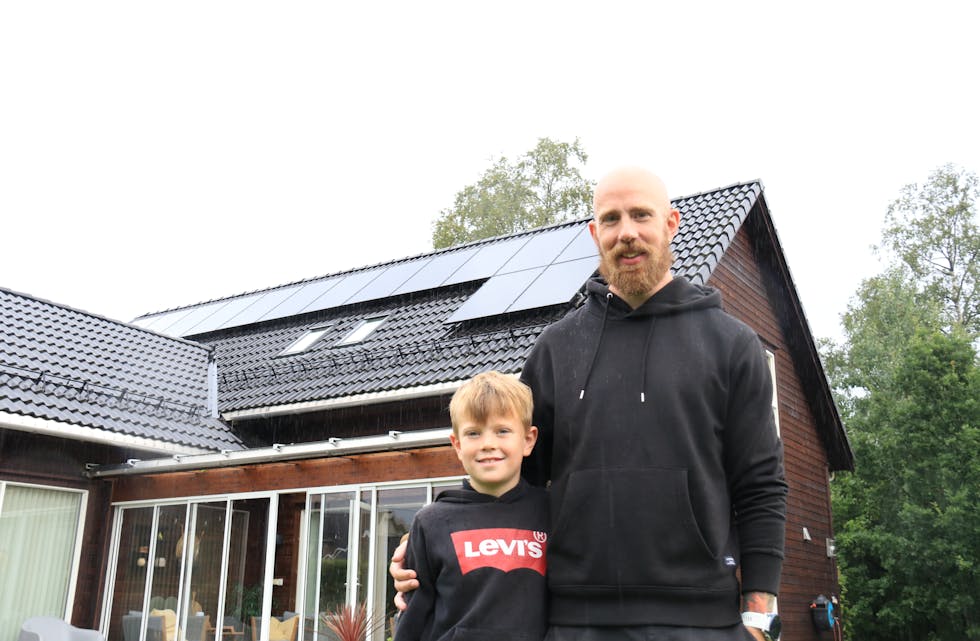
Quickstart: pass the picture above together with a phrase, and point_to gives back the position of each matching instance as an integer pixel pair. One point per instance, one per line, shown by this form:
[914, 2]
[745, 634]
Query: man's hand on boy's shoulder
[405, 579]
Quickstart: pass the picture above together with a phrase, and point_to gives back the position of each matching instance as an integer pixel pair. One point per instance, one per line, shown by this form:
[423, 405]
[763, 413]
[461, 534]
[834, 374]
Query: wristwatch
[768, 623]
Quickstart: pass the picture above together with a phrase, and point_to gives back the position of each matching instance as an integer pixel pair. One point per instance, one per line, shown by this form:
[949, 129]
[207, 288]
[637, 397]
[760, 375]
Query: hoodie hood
[679, 295]
[468, 495]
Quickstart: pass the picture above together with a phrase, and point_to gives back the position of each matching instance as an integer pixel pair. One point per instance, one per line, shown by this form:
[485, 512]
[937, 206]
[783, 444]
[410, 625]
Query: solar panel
[487, 261]
[161, 322]
[540, 250]
[390, 280]
[557, 284]
[266, 303]
[299, 300]
[436, 272]
[582, 246]
[222, 315]
[531, 270]
[195, 316]
[347, 287]
[496, 295]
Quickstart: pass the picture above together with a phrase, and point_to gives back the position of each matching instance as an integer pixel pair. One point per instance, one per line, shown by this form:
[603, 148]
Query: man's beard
[638, 280]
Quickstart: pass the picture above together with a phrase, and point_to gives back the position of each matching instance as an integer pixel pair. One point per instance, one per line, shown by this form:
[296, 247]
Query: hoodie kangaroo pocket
[626, 527]
[460, 633]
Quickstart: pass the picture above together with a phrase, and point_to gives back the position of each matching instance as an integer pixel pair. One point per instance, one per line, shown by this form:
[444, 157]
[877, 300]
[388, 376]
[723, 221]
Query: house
[338, 387]
[78, 391]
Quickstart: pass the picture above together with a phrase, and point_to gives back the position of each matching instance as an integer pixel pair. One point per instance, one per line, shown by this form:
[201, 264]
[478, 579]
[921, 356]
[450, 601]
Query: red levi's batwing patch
[503, 548]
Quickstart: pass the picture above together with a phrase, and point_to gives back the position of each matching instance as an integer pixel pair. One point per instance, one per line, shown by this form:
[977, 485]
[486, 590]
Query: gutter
[370, 398]
[392, 441]
[60, 429]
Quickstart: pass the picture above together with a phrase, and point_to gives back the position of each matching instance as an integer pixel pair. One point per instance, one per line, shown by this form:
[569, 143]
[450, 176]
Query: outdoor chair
[55, 629]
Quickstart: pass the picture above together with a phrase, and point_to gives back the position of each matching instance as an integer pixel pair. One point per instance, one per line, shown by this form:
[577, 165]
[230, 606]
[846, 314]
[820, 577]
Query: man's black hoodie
[657, 434]
[480, 561]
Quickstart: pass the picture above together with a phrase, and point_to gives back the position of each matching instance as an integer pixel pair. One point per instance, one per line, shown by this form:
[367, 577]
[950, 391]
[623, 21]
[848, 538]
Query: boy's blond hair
[491, 393]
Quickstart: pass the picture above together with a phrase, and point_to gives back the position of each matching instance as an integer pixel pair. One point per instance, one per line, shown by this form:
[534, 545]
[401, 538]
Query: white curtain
[37, 539]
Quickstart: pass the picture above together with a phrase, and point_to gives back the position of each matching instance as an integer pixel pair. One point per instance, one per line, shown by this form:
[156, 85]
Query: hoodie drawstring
[645, 352]
[598, 345]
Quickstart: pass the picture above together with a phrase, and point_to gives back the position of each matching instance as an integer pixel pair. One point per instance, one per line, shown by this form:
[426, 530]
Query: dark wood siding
[748, 290]
[338, 470]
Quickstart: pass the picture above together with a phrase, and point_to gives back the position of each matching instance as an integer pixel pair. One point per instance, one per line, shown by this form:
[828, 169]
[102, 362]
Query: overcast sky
[154, 155]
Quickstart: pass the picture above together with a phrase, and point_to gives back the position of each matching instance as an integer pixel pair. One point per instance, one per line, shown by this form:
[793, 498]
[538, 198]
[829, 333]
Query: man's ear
[595, 237]
[673, 222]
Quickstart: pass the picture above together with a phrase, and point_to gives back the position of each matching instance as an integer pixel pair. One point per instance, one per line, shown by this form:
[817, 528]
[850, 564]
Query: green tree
[906, 381]
[908, 530]
[932, 229]
[542, 187]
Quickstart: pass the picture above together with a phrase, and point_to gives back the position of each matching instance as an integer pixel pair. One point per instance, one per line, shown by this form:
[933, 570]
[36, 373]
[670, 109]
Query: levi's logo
[506, 549]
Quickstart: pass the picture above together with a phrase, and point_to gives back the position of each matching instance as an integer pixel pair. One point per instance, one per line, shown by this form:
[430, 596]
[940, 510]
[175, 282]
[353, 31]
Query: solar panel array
[524, 272]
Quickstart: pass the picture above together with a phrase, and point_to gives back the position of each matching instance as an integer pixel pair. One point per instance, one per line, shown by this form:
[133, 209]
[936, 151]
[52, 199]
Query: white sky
[160, 154]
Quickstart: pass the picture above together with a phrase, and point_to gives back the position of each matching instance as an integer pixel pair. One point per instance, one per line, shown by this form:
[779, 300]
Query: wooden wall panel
[403, 465]
[749, 294]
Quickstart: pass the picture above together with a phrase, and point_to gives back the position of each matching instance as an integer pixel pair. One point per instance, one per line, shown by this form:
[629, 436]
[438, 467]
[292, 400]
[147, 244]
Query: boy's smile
[492, 451]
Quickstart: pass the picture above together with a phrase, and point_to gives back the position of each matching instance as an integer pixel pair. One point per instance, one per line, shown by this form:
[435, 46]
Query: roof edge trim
[369, 398]
[47, 427]
[393, 440]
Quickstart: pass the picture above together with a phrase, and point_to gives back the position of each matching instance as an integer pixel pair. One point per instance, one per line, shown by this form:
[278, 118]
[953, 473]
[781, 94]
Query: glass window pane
[396, 509]
[132, 569]
[165, 593]
[331, 531]
[200, 557]
[37, 545]
[246, 569]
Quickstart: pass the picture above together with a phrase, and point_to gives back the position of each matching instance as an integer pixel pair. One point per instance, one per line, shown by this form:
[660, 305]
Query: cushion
[282, 630]
[169, 623]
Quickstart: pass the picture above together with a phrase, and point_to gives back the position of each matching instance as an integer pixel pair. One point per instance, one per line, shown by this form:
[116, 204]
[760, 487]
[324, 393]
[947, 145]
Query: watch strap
[757, 620]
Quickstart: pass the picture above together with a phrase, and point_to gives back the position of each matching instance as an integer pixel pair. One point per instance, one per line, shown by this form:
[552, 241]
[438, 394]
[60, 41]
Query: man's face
[632, 228]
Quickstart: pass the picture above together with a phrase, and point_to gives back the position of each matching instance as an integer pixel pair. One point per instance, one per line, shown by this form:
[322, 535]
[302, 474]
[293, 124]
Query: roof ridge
[744, 183]
[100, 317]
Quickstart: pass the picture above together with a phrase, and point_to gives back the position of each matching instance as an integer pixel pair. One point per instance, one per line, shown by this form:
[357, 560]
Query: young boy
[479, 552]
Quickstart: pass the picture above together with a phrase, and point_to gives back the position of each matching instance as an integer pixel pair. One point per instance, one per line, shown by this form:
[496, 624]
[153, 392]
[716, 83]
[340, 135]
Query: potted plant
[350, 623]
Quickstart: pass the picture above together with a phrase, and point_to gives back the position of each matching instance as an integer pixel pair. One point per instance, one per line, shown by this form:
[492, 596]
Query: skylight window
[305, 341]
[362, 331]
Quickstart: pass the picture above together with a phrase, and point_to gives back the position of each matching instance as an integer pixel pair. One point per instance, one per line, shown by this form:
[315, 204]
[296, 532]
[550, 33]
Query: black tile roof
[78, 369]
[415, 346]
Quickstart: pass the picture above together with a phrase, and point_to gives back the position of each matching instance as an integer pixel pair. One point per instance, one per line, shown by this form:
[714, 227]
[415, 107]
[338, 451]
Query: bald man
[658, 443]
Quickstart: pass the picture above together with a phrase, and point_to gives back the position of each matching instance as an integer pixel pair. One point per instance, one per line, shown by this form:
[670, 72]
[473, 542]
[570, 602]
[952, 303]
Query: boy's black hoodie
[480, 561]
[665, 467]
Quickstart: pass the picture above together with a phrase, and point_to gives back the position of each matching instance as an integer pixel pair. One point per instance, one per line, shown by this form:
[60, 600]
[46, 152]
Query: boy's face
[492, 452]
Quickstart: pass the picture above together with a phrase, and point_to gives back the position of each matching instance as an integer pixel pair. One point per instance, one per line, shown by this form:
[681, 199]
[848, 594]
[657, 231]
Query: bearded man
[658, 443]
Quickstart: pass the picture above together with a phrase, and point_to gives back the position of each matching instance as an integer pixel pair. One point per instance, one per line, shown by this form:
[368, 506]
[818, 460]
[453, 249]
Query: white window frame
[79, 535]
[771, 361]
[363, 329]
[305, 342]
